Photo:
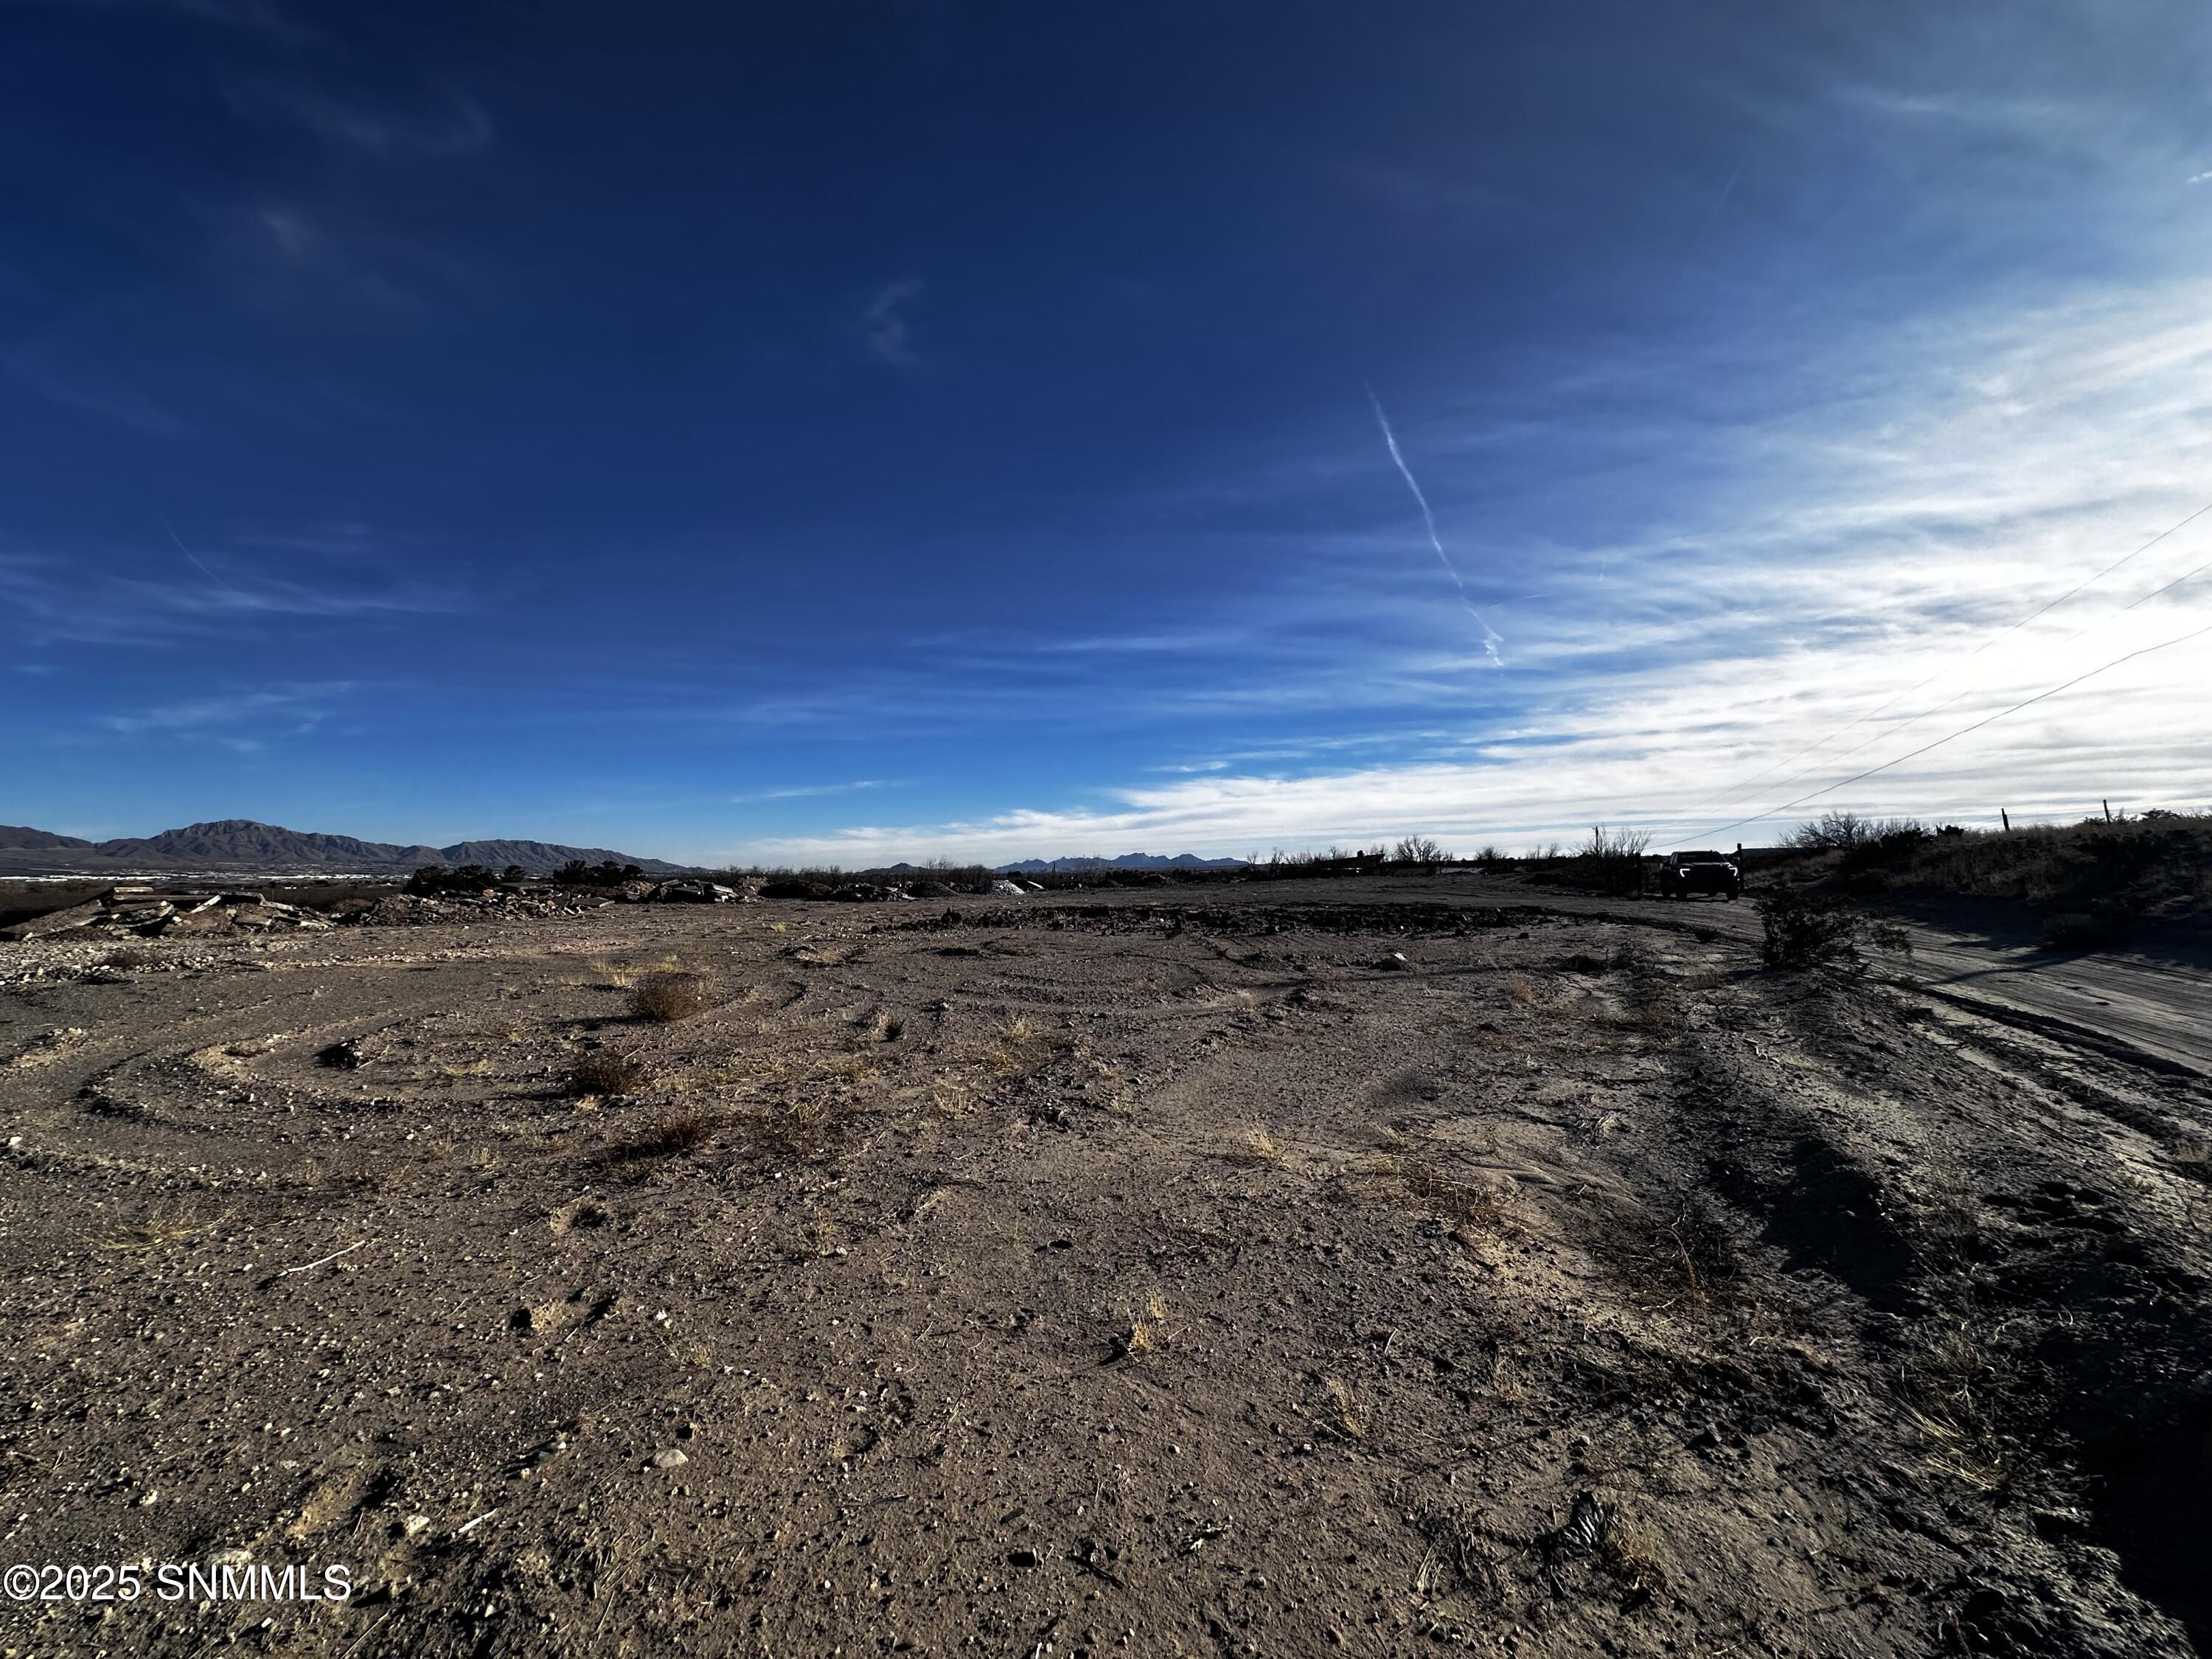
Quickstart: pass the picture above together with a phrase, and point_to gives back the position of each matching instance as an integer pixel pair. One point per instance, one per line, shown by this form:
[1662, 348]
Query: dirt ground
[1269, 1268]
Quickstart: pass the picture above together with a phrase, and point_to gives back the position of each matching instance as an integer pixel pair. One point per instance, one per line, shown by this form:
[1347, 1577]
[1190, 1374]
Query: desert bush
[608, 1072]
[605, 873]
[664, 997]
[1815, 932]
[1614, 860]
[1886, 845]
[433, 879]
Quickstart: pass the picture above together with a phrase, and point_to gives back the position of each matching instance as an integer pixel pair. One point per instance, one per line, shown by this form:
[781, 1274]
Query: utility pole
[2108, 811]
[2007, 817]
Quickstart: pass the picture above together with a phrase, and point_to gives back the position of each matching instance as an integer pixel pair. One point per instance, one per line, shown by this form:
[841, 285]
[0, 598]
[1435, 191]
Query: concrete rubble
[493, 905]
[690, 890]
[142, 913]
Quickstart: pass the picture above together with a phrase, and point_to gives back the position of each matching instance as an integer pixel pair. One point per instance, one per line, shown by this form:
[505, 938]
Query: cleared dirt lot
[1179, 1274]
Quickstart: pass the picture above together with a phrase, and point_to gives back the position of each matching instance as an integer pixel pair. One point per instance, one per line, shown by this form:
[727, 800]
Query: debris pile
[142, 913]
[689, 890]
[493, 905]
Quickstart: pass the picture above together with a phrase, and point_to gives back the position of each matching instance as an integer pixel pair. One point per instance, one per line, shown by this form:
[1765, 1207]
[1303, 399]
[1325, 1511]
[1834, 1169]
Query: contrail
[222, 586]
[1491, 639]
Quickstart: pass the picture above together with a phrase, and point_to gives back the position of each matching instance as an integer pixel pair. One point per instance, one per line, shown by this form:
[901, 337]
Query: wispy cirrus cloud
[807, 790]
[287, 710]
[886, 332]
[290, 252]
[63, 379]
[113, 596]
[447, 125]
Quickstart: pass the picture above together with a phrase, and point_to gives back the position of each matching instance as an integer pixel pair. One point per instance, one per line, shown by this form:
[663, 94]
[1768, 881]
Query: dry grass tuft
[1147, 1331]
[1461, 1205]
[1347, 1411]
[1960, 1394]
[1254, 1148]
[1629, 1550]
[667, 1134]
[667, 997]
[1135, 1342]
[609, 1072]
[1691, 1252]
[1520, 991]
[1016, 1045]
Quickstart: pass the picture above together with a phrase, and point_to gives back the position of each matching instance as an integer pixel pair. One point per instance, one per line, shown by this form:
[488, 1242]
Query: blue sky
[862, 432]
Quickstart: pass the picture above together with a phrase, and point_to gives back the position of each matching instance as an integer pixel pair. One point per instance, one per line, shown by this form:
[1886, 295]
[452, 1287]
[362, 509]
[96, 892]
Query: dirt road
[2158, 1007]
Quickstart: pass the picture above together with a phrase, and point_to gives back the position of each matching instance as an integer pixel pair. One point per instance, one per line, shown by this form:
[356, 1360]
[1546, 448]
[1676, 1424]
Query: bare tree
[1422, 850]
[1833, 832]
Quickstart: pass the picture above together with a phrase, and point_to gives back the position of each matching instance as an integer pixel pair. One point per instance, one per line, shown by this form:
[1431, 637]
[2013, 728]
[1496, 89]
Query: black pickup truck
[1681, 874]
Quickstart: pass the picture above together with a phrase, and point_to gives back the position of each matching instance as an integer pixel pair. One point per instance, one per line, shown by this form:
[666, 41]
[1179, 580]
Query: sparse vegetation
[2094, 881]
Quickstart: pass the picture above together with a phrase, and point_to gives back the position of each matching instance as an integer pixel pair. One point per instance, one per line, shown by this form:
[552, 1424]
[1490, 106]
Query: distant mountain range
[242, 844]
[1127, 862]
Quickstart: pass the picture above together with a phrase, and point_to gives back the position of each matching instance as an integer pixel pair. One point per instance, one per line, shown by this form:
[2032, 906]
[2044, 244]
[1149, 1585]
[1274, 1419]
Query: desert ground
[1379, 1267]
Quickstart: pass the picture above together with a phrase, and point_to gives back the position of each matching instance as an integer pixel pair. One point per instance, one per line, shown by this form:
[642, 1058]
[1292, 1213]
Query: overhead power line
[1737, 790]
[1977, 726]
